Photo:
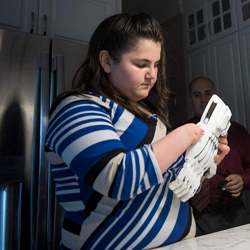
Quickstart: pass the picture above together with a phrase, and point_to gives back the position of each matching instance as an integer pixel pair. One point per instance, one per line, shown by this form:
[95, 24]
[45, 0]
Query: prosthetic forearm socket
[199, 157]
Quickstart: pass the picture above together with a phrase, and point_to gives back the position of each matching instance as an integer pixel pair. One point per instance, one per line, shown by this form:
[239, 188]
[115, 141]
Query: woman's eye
[139, 65]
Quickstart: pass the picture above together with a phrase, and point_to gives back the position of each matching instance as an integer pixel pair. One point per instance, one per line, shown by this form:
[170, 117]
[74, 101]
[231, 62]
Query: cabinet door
[18, 15]
[222, 18]
[74, 20]
[226, 72]
[43, 23]
[198, 63]
[245, 67]
[243, 8]
[196, 26]
[78, 19]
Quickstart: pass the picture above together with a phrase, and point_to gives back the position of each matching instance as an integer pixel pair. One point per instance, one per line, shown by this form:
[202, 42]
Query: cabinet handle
[32, 15]
[45, 22]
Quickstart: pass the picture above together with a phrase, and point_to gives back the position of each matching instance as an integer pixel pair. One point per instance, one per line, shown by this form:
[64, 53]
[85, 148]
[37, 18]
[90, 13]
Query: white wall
[160, 9]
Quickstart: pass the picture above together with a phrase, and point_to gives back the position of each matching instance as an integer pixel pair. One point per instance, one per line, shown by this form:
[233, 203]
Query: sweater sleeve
[83, 136]
[244, 140]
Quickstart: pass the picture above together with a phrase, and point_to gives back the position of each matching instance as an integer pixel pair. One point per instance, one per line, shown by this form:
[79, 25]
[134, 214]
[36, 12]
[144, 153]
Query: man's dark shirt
[236, 162]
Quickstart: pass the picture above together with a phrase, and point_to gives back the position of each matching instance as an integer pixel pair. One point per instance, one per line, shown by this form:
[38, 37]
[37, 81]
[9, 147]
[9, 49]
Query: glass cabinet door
[243, 13]
[222, 17]
[196, 23]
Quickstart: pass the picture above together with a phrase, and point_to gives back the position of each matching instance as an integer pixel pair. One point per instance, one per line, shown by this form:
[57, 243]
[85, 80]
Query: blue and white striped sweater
[107, 178]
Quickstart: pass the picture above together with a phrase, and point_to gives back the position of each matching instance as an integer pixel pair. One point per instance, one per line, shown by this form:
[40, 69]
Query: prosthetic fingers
[199, 157]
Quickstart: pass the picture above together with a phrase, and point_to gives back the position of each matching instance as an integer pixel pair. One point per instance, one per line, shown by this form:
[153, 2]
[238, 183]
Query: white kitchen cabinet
[198, 63]
[243, 13]
[225, 54]
[78, 19]
[196, 24]
[220, 61]
[198, 31]
[208, 20]
[74, 20]
[222, 18]
[245, 68]
[18, 14]
[226, 72]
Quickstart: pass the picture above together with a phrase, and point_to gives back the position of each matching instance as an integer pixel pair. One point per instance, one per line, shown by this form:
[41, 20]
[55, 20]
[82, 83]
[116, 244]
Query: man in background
[223, 200]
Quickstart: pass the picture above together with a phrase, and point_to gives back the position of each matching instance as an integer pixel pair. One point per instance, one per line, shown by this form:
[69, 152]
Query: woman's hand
[223, 149]
[170, 147]
[191, 132]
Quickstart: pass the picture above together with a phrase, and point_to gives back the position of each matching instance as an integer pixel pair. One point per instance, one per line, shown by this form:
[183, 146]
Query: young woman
[111, 154]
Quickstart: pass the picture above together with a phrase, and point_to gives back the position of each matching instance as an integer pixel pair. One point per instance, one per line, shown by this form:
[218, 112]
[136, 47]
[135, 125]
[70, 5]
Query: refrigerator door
[66, 58]
[24, 105]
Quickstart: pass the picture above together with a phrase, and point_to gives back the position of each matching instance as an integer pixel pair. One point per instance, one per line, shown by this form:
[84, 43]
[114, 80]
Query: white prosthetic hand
[199, 158]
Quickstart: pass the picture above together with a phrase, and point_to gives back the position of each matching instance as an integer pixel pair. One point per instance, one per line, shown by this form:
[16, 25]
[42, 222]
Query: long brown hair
[119, 34]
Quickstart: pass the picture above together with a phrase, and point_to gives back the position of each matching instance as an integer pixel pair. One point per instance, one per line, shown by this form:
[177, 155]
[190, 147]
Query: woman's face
[136, 72]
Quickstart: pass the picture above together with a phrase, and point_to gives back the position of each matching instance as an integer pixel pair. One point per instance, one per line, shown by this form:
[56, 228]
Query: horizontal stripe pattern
[107, 178]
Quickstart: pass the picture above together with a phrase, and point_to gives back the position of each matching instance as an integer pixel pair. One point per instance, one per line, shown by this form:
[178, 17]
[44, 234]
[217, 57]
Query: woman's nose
[151, 73]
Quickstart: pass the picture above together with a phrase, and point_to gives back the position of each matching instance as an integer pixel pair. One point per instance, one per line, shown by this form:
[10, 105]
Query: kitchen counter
[237, 238]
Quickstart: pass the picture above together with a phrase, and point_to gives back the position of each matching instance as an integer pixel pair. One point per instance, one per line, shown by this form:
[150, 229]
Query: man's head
[201, 89]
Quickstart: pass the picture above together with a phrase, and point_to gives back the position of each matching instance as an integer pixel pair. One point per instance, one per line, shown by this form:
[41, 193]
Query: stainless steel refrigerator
[33, 70]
